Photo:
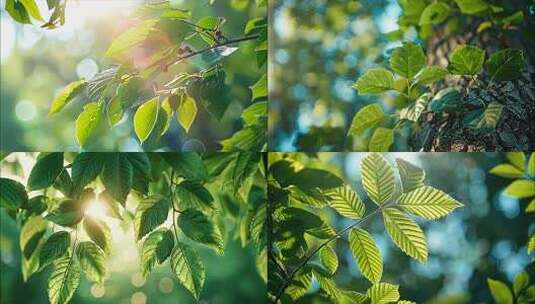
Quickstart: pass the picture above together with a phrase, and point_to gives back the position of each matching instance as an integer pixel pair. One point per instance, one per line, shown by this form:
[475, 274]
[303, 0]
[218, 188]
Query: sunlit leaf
[381, 140]
[99, 232]
[405, 233]
[521, 188]
[375, 81]
[66, 95]
[428, 202]
[367, 117]
[145, 118]
[87, 122]
[156, 249]
[132, 37]
[382, 293]
[407, 60]
[472, 6]
[412, 177]
[92, 261]
[378, 178]
[500, 292]
[54, 247]
[150, 213]
[367, 254]
[64, 280]
[346, 202]
[188, 268]
[200, 228]
[507, 171]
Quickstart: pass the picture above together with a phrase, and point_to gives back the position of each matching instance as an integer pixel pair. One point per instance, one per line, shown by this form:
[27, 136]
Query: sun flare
[96, 209]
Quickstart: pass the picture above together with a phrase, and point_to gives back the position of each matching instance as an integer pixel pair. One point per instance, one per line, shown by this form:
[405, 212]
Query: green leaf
[131, 38]
[242, 168]
[87, 122]
[506, 65]
[32, 9]
[435, 13]
[92, 261]
[186, 112]
[428, 202]
[531, 206]
[367, 117]
[521, 188]
[310, 179]
[188, 165]
[117, 176]
[518, 159]
[99, 233]
[64, 280]
[531, 164]
[405, 233]
[255, 114]
[520, 282]
[85, 168]
[507, 171]
[367, 254]
[500, 292]
[466, 60]
[145, 118]
[329, 259]
[378, 178]
[472, 6]
[408, 60]
[300, 284]
[200, 228]
[151, 212]
[381, 140]
[413, 111]
[431, 74]
[54, 247]
[346, 202]
[446, 100]
[193, 195]
[31, 234]
[156, 249]
[66, 95]
[488, 119]
[12, 194]
[375, 81]
[412, 177]
[188, 268]
[115, 111]
[45, 171]
[260, 89]
[17, 11]
[67, 213]
[382, 293]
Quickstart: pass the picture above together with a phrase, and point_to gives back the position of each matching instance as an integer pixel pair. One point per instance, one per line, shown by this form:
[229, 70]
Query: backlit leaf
[472, 6]
[188, 268]
[201, 228]
[186, 112]
[507, 171]
[346, 202]
[63, 280]
[408, 59]
[87, 122]
[500, 292]
[406, 234]
[521, 188]
[382, 293]
[367, 117]
[132, 37]
[145, 118]
[435, 13]
[150, 213]
[375, 81]
[156, 249]
[412, 177]
[99, 232]
[381, 140]
[428, 202]
[329, 259]
[367, 254]
[378, 178]
[92, 261]
[66, 95]
[54, 247]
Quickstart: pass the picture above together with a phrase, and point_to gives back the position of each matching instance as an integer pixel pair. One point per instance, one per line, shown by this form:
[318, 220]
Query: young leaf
[64, 280]
[531, 164]
[92, 261]
[367, 254]
[506, 65]
[466, 60]
[87, 122]
[375, 81]
[115, 111]
[367, 117]
[381, 140]
[346, 202]
[411, 176]
[17, 11]
[150, 213]
[406, 234]
[200, 228]
[518, 159]
[431, 74]
[45, 172]
[66, 95]
[85, 168]
[329, 259]
[156, 248]
[186, 112]
[378, 178]
[472, 6]
[188, 268]
[407, 60]
[145, 118]
[12, 194]
[382, 293]
[507, 171]
[99, 233]
[521, 188]
[428, 202]
[260, 89]
[520, 282]
[413, 111]
[500, 292]
[32, 9]
[117, 176]
[435, 13]
[131, 38]
[54, 247]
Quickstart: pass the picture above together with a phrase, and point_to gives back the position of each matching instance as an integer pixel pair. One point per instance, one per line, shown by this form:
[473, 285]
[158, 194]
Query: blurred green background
[319, 48]
[231, 278]
[484, 239]
[37, 63]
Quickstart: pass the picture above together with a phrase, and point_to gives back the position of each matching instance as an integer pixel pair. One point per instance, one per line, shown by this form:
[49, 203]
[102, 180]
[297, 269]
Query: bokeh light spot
[98, 291]
[165, 285]
[25, 110]
[138, 298]
[87, 68]
[137, 279]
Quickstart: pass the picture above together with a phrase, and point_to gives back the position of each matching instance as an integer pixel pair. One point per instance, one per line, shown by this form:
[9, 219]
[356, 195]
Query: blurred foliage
[201, 218]
[38, 62]
[484, 239]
